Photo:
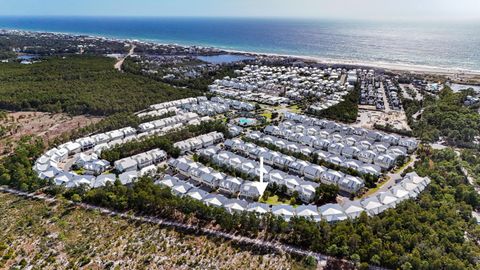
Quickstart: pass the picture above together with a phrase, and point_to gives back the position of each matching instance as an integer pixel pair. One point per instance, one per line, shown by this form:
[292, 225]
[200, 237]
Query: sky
[330, 9]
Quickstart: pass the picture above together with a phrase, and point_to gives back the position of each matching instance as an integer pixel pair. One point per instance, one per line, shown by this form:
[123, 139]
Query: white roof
[308, 211]
[103, 179]
[235, 205]
[215, 200]
[332, 212]
[260, 208]
[372, 205]
[285, 211]
[128, 177]
[352, 209]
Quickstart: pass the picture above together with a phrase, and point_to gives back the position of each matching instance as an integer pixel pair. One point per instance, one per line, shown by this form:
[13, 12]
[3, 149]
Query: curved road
[118, 65]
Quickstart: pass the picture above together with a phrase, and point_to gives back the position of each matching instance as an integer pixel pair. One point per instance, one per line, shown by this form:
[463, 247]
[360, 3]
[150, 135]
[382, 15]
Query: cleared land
[45, 125]
[57, 236]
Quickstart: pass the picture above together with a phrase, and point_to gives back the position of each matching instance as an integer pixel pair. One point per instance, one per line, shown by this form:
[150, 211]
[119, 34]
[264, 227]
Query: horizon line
[402, 20]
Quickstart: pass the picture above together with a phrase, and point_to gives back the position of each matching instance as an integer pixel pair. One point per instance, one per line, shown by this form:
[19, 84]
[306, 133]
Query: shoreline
[394, 67]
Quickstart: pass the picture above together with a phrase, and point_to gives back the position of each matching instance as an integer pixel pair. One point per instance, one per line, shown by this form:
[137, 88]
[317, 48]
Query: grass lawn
[294, 109]
[80, 171]
[275, 200]
[373, 190]
[267, 115]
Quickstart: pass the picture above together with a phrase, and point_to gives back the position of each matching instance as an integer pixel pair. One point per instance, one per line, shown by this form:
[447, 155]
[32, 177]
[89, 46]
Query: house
[409, 143]
[390, 139]
[212, 179]
[86, 143]
[126, 164]
[422, 181]
[259, 208]
[81, 180]
[298, 166]
[231, 185]
[49, 173]
[337, 160]
[353, 209]
[157, 155]
[128, 177]
[270, 156]
[353, 164]
[367, 156]
[103, 179]
[115, 135]
[308, 212]
[99, 148]
[387, 199]
[370, 169]
[385, 161]
[149, 170]
[306, 191]
[374, 135]
[210, 151]
[331, 177]
[96, 167]
[351, 184]
[253, 190]
[196, 173]
[364, 144]
[168, 181]
[332, 212]
[143, 160]
[276, 176]
[248, 166]
[181, 188]
[60, 155]
[235, 206]
[380, 147]
[83, 159]
[215, 200]
[322, 144]
[100, 138]
[400, 193]
[73, 148]
[284, 211]
[412, 188]
[197, 194]
[313, 172]
[292, 183]
[64, 177]
[350, 151]
[372, 205]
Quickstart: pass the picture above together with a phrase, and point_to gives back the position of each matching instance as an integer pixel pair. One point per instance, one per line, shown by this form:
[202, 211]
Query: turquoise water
[245, 121]
[224, 58]
[446, 45]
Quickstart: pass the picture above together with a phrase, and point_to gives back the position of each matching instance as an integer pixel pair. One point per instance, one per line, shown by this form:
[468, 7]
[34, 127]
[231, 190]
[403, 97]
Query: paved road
[275, 246]
[394, 177]
[119, 64]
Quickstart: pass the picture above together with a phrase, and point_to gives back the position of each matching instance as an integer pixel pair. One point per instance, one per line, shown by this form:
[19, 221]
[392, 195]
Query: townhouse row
[409, 188]
[216, 180]
[309, 171]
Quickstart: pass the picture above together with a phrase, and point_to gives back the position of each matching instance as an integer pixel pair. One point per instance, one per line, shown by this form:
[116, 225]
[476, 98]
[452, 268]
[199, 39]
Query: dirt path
[118, 65]
[275, 246]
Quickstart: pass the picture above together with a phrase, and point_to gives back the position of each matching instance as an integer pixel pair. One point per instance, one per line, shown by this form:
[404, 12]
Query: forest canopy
[80, 85]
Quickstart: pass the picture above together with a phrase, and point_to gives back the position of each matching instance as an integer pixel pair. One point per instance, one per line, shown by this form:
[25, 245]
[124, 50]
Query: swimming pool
[245, 121]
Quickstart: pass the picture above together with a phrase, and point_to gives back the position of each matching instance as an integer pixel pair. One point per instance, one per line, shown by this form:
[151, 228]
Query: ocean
[436, 45]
